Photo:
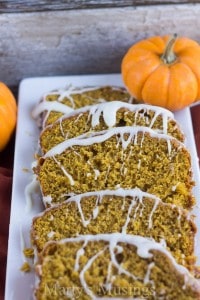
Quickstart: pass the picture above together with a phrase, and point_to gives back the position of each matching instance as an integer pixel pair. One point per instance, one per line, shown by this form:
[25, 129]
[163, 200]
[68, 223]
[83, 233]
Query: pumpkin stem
[169, 56]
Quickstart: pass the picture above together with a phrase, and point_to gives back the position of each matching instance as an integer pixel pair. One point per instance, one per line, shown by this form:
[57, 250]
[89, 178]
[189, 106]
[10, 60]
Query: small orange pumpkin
[8, 115]
[163, 71]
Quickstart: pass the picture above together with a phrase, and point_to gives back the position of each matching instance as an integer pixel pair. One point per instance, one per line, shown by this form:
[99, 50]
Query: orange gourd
[163, 71]
[8, 115]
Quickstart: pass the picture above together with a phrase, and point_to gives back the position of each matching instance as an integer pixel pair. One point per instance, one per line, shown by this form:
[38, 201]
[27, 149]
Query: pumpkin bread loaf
[115, 266]
[106, 115]
[127, 211]
[116, 182]
[125, 157]
[56, 103]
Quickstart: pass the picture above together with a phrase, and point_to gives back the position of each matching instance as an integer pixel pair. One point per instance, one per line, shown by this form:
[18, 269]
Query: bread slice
[56, 103]
[107, 115]
[125, 157]
[126, 211]
[117, 266]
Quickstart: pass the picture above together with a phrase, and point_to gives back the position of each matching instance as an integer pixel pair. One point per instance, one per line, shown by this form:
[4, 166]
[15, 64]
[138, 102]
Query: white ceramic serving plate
[19, 285]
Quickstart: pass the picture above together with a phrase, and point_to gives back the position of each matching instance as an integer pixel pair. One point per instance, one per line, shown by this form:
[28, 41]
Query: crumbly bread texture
[106, 115]
[127, 211]
[123, 157]
[113, 266]
[59, 102]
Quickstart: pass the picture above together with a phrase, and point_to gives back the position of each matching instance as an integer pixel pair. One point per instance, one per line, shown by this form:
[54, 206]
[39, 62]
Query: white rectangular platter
[19, 285]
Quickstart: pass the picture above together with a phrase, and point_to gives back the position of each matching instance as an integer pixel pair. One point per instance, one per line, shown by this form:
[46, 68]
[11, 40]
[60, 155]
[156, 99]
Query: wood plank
[84, 41]
[12, 6]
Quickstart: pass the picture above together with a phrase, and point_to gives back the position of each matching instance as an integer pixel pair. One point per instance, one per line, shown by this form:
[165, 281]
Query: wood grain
[84, 41]
[12, 6]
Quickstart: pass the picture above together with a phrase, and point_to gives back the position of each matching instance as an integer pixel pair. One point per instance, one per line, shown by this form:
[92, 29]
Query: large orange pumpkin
[163, 71]
[8, 115]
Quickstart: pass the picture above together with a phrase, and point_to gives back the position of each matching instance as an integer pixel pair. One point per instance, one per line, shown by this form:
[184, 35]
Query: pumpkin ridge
[150, 72]
[141, 46]
[158, 52]
[149, 76]
[169, 81]
[131, 65]
[153, 42]
[192, 73]
[181, 98]
[180, 52]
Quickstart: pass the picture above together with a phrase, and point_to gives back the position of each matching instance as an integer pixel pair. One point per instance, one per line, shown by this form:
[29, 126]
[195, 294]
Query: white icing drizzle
[99, 137]
[77, 199]
[97, 173]
[174, 187]
[165, 125]
[95, 212]
[71, 180]
[79, 253]
[154, 119]
[156, 202]
[108, 284]
[137, 197]
[78, 154]
[77, 118]
[84, 222]
[124, 202]
[142, 208]
[139, 164]
[61, 129]
[30, 189]
[144, 247]
[136, 116]
[47, 200]
[107, 173]
[136, 210]
[142, 140]
[147, 275]
[108, 110]
[50, 106]
[50, 234]
[124, 228]
[112, 246]
[179, 216]
[85, 268]
[57, 106]
[169, 147]
[67, 93]
[163, 243]
[51, 218]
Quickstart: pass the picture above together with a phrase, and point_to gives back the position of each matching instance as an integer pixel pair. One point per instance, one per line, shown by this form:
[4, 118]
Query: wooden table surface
[13, 6]
[46, 38]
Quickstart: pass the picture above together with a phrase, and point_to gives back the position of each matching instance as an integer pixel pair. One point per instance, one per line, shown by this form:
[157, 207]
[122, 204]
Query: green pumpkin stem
[169, 56]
